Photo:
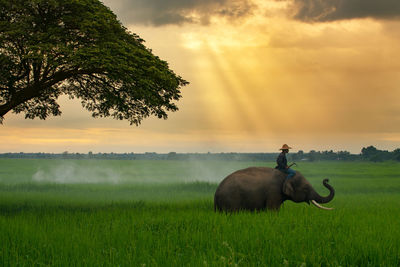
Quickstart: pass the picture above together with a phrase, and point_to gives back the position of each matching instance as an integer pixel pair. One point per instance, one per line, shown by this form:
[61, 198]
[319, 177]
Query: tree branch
[36, 89]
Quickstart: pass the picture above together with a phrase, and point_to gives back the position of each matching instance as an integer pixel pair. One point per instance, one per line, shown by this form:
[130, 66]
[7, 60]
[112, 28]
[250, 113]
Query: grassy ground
[159, 213]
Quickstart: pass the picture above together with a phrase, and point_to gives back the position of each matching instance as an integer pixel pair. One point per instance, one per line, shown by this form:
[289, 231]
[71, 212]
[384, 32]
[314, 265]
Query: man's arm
[294, 163]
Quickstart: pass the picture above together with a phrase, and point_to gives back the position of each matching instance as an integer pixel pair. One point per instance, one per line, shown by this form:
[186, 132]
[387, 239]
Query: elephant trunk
[320, 199]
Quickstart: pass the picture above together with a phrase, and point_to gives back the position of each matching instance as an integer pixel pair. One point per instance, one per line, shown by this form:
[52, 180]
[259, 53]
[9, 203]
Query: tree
[373, 154]
[313, 155]
[344, 155]
[80, 49]
[396, 154]
[369, 152]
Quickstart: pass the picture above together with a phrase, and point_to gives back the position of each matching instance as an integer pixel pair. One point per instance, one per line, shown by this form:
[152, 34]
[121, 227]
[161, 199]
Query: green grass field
[160, 213]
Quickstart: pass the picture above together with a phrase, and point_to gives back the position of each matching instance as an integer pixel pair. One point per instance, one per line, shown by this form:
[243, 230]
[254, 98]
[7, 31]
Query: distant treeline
[367, 154]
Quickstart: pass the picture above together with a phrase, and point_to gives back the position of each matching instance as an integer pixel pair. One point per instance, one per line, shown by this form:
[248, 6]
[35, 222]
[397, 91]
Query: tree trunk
[3, 110]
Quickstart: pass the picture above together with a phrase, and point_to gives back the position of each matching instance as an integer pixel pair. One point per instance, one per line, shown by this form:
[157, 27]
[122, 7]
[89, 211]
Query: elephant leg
[274, 202]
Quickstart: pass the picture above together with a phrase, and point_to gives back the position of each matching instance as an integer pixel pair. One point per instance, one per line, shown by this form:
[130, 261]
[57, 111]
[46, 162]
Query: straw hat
[285, 146]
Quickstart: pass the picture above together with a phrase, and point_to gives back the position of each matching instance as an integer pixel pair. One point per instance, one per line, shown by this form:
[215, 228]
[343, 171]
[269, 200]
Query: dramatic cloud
[331, 10]
[163, 12]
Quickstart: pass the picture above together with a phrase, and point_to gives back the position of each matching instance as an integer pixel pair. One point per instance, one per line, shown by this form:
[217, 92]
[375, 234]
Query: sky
[315, 74]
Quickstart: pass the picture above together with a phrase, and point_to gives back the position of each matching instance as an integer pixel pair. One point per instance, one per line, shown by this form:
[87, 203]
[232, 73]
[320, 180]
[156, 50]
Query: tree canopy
[78, 48]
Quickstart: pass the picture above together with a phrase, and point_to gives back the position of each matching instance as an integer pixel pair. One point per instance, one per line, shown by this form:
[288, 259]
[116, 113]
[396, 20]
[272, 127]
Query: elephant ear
[287, 188]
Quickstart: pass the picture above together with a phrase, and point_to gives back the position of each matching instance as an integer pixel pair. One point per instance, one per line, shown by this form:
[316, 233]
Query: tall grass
[172, 223]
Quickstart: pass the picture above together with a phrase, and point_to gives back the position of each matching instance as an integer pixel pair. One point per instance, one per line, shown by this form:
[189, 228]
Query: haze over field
[117, 172]
[313, 74]
[126, 172]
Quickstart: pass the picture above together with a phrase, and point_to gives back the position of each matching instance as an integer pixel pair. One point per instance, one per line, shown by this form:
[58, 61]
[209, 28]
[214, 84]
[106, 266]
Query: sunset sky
[315, 74]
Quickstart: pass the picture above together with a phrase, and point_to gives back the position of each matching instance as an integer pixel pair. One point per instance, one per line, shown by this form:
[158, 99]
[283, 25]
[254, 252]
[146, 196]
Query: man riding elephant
[260, 188]
[282, 162]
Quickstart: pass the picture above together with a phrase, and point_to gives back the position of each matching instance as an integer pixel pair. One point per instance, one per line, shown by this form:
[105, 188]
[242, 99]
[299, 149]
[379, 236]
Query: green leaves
[79, 48]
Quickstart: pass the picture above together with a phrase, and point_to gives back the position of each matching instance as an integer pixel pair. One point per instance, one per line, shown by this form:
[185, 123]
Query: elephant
[260, 188]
